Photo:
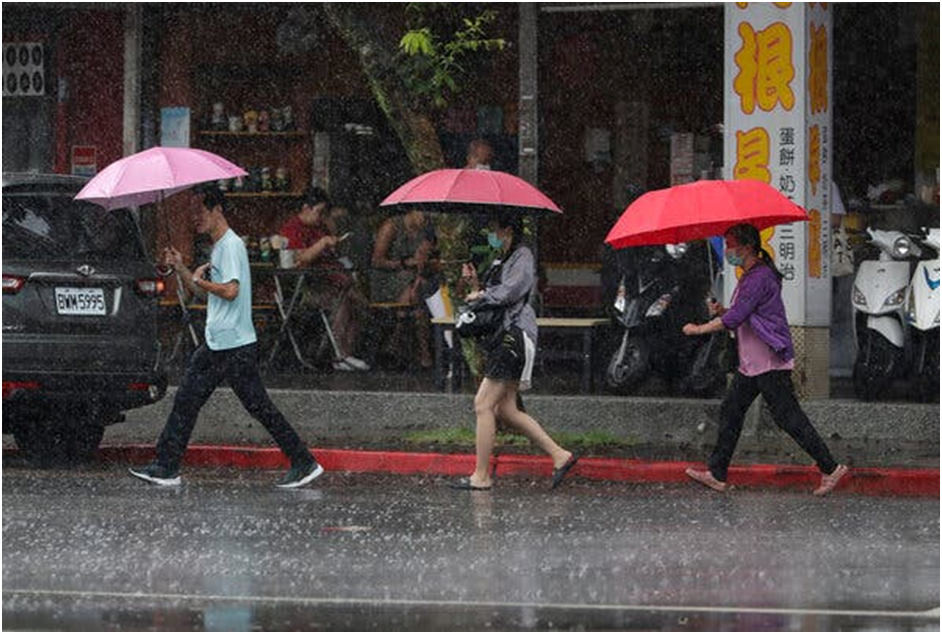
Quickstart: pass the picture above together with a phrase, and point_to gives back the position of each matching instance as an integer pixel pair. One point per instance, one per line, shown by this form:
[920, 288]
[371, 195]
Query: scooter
[922, 316]
[880, 289]
[653, 302]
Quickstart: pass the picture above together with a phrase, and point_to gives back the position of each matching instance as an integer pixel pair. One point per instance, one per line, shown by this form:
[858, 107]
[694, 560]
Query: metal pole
[133, 25]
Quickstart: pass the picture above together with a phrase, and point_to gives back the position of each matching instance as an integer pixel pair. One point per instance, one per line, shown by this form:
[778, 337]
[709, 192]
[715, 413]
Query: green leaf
[418, 42]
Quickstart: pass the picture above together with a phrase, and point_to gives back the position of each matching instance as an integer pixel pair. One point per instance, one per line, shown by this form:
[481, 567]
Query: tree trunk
[413, 127]
[418, 136]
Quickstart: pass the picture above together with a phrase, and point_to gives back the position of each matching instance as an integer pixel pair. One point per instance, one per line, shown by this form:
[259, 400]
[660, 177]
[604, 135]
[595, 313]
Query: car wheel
[56, 442]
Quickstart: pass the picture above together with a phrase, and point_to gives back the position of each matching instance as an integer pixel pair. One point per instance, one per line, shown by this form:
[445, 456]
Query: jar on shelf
[251, 121]
[254, 183]
[282, 183]
[217, 120]
[277, 122]
[288, 116]
[267, 184]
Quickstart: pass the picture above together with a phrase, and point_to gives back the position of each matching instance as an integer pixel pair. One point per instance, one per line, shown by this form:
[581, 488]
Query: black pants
[777, 390]
[205, 370]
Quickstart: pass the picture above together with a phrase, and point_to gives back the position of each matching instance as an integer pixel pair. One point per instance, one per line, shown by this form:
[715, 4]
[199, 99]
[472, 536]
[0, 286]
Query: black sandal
[559, 474]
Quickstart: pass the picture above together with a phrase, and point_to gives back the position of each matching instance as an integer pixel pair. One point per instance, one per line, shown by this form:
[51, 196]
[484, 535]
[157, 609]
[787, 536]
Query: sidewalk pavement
[893, 447]
[866, 434]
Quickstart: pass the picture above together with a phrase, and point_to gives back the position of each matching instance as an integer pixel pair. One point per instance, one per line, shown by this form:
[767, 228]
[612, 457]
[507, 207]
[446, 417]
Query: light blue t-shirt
[229, 324]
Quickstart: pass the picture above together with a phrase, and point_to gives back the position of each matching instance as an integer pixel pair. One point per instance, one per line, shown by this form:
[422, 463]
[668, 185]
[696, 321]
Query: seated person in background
[333, 289]
[399, 272]
[480, 155]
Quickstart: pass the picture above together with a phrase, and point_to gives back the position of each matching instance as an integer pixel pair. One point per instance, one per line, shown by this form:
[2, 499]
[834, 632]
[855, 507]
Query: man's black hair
[211, 196]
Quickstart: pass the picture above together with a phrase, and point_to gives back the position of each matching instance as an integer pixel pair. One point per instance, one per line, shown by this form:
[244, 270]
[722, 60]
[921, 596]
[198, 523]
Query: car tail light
[12, 283]
[9, 387]
[149, 287]
[152, 390]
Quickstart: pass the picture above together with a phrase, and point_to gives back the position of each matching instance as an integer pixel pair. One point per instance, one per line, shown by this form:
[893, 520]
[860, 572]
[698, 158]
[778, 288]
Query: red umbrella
[464, 190]
[700, 210]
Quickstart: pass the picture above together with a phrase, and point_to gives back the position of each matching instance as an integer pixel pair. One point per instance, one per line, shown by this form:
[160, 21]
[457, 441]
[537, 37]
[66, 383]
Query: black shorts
[506, 356]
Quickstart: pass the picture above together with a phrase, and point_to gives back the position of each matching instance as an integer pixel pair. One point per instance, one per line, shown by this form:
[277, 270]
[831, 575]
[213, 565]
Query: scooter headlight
[902, 247]
[895, 299]
[676, 251]
[859, 298]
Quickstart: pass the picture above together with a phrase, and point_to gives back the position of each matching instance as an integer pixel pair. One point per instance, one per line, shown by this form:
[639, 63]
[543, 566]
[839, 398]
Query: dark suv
[80, 342]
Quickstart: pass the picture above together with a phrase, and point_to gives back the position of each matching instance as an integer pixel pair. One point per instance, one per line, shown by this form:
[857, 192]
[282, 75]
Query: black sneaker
[157, 475]
[299, 476]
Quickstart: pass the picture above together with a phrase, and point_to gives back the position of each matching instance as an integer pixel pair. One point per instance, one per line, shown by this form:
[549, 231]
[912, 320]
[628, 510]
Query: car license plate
[80, 301]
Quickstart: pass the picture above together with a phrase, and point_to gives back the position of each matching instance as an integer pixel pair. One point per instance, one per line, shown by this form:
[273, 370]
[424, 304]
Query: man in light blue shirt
[230, 353]
[229, 321]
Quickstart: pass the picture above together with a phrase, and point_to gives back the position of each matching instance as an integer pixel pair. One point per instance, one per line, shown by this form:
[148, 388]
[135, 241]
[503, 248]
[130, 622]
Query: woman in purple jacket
[766, 359]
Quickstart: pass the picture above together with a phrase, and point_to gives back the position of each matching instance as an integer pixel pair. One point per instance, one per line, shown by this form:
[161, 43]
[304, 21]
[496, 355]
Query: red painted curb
[864, 480]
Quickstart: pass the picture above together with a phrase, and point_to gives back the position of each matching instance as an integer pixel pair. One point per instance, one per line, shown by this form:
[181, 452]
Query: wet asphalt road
[95, 550]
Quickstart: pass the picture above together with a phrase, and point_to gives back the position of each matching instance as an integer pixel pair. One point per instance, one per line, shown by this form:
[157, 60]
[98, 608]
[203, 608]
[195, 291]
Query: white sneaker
[343, 366]
[156, 474]
[299, 477]
[358, 364]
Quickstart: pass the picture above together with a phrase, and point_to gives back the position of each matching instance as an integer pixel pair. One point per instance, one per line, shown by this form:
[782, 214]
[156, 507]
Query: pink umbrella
[464, 190]
[151, 176]
[700, 210]
[155, 174]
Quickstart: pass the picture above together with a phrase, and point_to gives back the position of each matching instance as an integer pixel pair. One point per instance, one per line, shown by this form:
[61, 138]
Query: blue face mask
[494, 241]
[733, 258]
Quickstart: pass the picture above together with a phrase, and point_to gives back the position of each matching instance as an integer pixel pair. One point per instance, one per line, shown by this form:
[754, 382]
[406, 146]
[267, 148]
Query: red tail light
[9, 387]
[150, 287]
[12, 284]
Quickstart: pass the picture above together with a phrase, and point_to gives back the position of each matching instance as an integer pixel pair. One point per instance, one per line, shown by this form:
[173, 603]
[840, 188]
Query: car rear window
[53, 226]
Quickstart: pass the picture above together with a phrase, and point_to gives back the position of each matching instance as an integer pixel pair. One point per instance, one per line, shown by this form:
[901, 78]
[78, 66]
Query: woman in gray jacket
[509, 353]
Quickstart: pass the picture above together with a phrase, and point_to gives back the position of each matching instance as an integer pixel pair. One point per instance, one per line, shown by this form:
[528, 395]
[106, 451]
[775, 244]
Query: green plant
[464, 437]
[431, 66]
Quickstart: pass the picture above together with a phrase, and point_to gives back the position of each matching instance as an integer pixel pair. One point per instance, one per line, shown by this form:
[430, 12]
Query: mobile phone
[345, 236]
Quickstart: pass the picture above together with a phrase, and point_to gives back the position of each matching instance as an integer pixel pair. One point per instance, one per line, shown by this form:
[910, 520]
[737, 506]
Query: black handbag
[478, 321]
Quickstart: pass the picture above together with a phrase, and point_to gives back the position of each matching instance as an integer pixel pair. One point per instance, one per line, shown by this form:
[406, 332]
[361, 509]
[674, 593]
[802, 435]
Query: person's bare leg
[527, 425]
[338, 323]
[423, 334]
[353, 324]
[396, 343]
[489, 394]
[343, 327]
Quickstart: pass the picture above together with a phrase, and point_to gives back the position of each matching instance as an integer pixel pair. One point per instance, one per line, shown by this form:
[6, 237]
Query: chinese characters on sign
[752, 155]
[778, 124]
[765, 68]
